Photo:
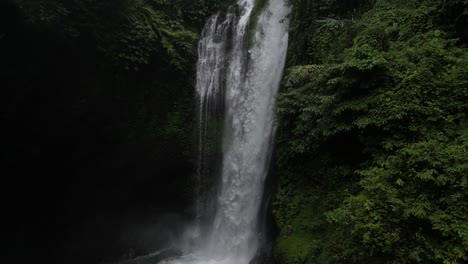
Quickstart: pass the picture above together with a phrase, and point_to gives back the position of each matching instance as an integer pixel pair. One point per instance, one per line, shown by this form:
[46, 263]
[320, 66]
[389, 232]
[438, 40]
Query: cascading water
[238, 75]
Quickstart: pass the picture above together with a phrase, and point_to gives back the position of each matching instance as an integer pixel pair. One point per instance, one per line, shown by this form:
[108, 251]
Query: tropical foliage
[372, 144]
[130, 32]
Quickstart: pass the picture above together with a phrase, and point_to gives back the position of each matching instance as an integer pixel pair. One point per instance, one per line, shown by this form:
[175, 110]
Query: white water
[242, 84]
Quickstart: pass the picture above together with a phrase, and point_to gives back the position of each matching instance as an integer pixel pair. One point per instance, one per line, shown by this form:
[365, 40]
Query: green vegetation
[257, 9]
[372, 143]
[129, 32]
[372, 147]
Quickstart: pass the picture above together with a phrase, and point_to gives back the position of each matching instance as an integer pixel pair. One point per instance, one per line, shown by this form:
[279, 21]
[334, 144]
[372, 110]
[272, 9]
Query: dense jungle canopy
[99, 117]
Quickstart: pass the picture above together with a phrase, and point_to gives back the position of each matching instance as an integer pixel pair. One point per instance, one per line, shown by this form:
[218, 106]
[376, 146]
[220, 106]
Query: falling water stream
[241, 61]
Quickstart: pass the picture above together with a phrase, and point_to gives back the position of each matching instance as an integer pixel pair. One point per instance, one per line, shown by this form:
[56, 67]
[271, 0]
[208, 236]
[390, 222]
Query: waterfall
[238, 74]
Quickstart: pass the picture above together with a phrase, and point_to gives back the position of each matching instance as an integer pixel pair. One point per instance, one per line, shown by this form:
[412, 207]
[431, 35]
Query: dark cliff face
[91, 166]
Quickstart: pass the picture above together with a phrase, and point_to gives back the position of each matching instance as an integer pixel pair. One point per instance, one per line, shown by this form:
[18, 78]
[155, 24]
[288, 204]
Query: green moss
[295, 249]
[257, 10]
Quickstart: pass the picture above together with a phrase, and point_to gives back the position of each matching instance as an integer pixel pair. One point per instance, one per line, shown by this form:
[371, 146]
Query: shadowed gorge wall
[97, 132]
